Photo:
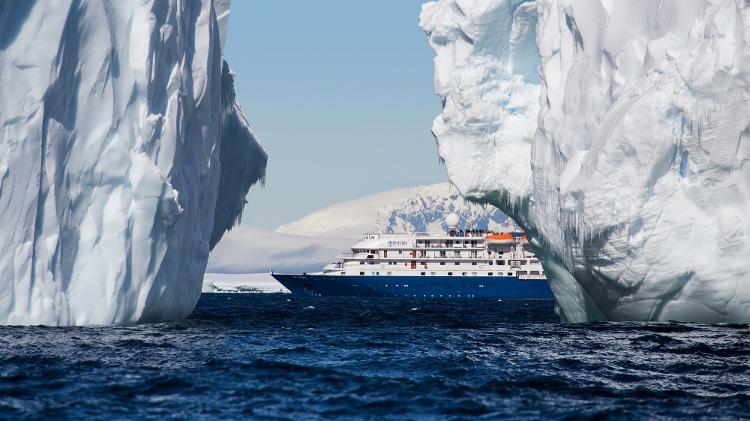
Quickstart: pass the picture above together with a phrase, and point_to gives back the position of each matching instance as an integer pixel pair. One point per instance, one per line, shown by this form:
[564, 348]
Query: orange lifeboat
[500, 238]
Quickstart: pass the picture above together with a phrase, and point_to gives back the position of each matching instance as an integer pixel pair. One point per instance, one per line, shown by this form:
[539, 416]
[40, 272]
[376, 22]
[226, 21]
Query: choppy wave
[272, 356]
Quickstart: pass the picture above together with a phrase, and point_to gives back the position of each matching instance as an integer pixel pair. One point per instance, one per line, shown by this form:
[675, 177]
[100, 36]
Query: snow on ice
[123, 157]
[618, 140]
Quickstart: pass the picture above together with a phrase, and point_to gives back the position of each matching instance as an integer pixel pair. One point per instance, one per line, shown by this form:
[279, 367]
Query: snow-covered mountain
[425, 209]
[348, 219]
[618, 140]
[309, 243]
[411, 209]
[123, 158]
[252, 250]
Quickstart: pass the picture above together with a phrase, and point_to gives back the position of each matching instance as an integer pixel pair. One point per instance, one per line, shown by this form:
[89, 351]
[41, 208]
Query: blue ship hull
[416, 286]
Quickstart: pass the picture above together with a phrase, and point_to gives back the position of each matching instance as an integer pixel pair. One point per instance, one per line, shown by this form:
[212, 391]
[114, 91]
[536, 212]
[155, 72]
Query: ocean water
[271, 356]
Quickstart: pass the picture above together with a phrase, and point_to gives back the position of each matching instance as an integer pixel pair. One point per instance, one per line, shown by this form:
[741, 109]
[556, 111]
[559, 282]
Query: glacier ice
[115, 120]
[629, 175]
[486, 70]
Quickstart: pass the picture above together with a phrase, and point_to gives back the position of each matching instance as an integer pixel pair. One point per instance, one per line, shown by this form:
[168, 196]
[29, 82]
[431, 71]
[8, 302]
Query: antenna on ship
[379, 223]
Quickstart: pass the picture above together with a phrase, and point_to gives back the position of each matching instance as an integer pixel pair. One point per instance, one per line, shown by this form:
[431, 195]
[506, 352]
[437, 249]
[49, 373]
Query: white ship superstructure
[456, 264]
[457, 253]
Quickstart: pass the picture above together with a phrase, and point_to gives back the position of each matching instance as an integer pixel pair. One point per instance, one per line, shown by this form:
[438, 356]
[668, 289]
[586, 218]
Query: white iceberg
[248, 283]
[630, 176]
[123, 156]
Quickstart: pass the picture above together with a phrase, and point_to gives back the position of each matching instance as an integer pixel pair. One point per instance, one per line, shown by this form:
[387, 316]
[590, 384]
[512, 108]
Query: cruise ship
[455, 264]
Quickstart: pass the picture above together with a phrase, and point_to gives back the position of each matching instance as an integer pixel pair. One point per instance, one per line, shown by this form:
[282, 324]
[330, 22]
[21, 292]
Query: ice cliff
[123, 157]
[619, 140]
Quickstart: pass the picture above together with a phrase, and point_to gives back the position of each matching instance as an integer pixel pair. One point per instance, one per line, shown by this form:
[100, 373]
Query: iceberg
[123, 158]
[628, 171]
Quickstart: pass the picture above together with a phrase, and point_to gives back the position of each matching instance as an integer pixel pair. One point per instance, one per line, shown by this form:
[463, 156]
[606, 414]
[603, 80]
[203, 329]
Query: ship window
[501, 262]
[442, 263]
[510, 273]
[422, 273]
[456, 263]
[473, 263]
[521, 272]
[343, 273]
[361, 273]
[432, 273]
[489, 274]
[450, 273]
[463, 273]
[400, 252]
[534, 272]
[490, 262]
[374, 273]
[534, 261]
[523, 262]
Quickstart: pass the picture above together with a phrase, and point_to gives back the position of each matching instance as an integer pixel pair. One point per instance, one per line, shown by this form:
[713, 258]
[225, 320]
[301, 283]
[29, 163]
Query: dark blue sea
[271, 356]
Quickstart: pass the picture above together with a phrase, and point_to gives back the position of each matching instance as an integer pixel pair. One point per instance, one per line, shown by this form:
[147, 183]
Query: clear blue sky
[340, 94]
